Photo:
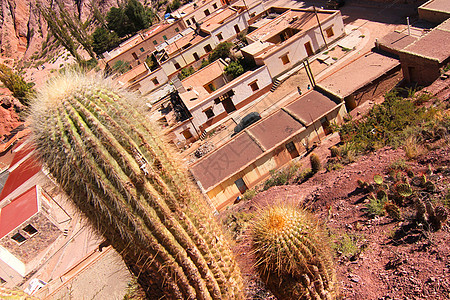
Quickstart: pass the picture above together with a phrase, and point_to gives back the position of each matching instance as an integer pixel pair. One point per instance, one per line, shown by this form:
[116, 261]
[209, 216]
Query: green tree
[16, 84]
[186, 72]
[104, 40]
[118, 21]
[137, 15]
[223, 50]
[234, 69]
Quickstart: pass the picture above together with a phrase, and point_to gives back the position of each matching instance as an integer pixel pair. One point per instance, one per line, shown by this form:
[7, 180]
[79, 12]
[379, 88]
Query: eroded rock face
[23, 30]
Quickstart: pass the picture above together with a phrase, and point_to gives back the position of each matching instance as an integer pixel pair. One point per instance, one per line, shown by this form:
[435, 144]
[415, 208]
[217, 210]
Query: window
[193, 20]
[219, 36]
[134, 55]
[142, 49]
[188, 22]
[155, 42]
[285, 59]
[196, 56]
[155, 81]
[207, 48]
[215, 5]
[209, 113]
[254, 86]
[210, 87]
[187, 134]
[236, 28]
[177, 66]
[19, 238]
[241, 185]
[207, 13]
[177, 29]
[329, 31]
[252, 15]
[2, 281]
[165, 37]
[30, 230]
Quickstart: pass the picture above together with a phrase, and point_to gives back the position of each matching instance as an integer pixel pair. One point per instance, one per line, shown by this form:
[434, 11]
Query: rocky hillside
[23, 30]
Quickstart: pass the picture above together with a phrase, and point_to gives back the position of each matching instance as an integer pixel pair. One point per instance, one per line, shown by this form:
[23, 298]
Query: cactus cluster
[404, 189]
[430, 214]
[292, 255]
[121, 175]
[335, 151]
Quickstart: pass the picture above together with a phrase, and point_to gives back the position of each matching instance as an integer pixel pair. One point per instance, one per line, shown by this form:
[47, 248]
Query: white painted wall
[186, 57]
[242, 91]
[12, 261]
[295, 48]
[146, 85]
[227, 29]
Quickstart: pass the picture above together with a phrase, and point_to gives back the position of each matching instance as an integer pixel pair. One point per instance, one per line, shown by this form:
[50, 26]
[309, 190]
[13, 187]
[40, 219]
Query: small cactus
[429, 187]
[316, 165]
[403, 189]
[382, 195]
[292, 256]
[392, 210]
[335, 151]
[378, 179]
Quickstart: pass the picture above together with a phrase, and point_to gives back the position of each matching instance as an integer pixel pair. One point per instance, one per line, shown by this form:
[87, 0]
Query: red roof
[18, 211]
[20, 175]
[21, 154]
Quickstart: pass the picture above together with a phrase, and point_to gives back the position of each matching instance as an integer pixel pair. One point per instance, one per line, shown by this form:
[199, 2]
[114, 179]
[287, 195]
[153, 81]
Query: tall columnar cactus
[118, 171]
[292, 256]
[316, 165]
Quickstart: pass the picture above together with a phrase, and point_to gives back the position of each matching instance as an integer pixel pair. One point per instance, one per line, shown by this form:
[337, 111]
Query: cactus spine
[120, 174]
[10, 294]
[292, 256]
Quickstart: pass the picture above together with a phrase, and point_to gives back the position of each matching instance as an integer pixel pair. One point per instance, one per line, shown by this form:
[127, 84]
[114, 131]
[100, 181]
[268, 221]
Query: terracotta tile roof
[226, 160]
[396, 40]
[18, 211]
[310, 107]
[434, 45]
[274, 129]
[440, 5]
[358, 73]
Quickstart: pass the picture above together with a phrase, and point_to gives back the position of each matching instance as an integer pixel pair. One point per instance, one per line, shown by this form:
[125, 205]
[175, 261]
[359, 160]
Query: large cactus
[14, 294]
[114, 166]
[292, 256]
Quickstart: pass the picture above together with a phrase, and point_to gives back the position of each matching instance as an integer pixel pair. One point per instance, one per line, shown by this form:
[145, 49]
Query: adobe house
[136, 49]
[423, 60]
[363, 78]
[266, 145]
[434, 11]
[194, 12]
[27, 231]
[210, 96]
[282, 39]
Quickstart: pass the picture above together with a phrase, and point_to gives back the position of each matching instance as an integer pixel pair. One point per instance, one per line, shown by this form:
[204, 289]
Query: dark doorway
[228, 105]
[241, 185]
[308, 48]
[292, 150]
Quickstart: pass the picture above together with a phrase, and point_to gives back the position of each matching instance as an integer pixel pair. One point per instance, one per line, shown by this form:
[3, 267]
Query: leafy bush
[186, 72]
[104, 40]
[282, 176]
[234, 69]
[121, 67]
[16, 84]
[223, 50]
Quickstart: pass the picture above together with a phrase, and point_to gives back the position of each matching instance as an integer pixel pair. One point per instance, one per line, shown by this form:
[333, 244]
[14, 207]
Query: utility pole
[320, 26]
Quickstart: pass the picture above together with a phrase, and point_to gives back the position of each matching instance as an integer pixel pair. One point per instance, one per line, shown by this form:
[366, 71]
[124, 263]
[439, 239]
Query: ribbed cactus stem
[292, 256]
[122, 176]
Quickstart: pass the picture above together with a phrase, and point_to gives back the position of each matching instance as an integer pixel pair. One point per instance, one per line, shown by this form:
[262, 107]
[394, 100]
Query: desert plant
[292, 256]
[376, 206]
[427, 213]
[392, 210]
[335, 152]
[316, 165]
[120, 174]
[378, 179]
[14, 294]
[403, 189]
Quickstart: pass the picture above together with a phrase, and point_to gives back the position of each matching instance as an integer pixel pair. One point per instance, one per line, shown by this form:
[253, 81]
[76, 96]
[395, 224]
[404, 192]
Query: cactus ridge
[404, 189]
[291, 255]
[112, 163]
